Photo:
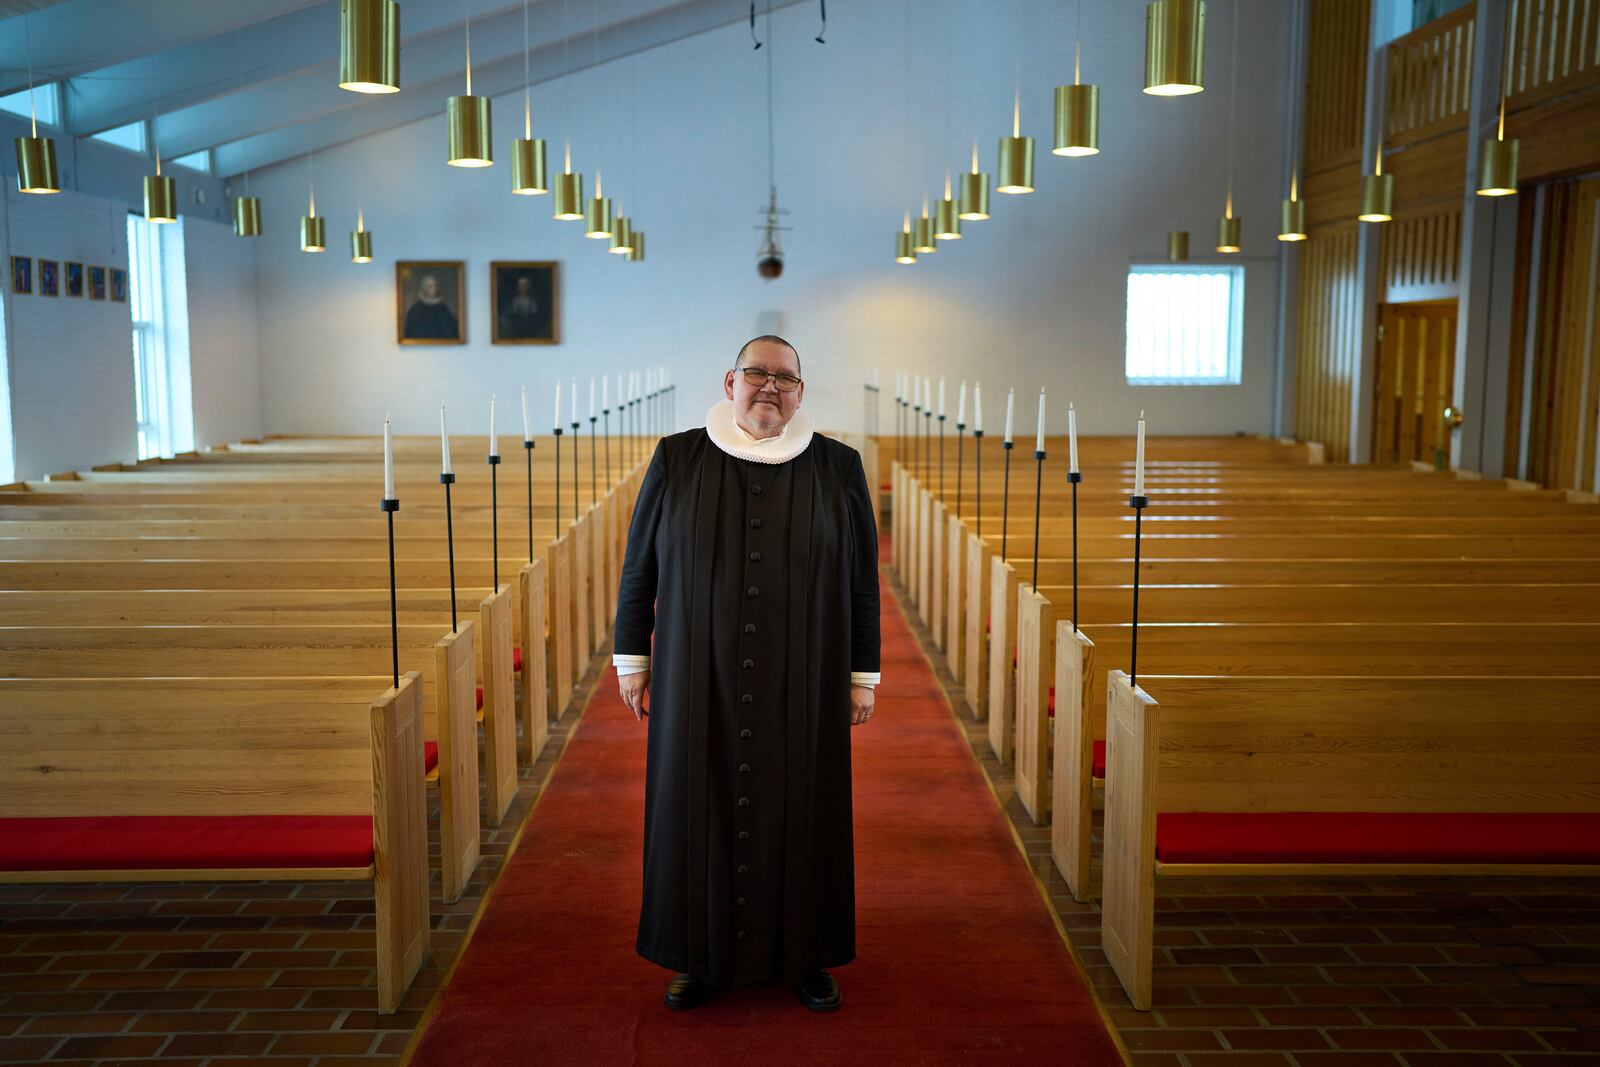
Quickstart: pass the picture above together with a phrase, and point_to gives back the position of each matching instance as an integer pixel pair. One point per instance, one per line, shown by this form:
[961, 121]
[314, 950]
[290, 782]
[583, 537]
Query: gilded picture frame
[525, 302]
[430, 297]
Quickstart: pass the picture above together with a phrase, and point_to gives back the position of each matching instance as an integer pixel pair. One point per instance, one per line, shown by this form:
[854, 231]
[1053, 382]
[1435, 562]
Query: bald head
[764, 340]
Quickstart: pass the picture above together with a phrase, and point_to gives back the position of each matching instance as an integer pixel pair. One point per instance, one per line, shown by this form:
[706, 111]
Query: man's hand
[632, 687]
[861, 697]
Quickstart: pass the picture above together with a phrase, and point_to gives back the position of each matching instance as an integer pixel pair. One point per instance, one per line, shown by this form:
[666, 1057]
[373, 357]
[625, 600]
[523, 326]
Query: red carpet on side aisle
[957, 957]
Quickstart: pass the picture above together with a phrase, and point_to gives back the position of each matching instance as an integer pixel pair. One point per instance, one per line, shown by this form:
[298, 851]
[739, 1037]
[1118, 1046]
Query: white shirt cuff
[629, 664]
[866, 678]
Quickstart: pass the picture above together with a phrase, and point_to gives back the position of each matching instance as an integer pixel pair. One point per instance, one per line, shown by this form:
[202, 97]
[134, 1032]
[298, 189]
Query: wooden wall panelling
[1336, 77]
[1552, 48]
[1517, 364]
[1429, 78]
[1326, 343]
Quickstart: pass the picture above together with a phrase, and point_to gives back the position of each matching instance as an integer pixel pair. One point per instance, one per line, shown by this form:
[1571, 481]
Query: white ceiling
[255, 80]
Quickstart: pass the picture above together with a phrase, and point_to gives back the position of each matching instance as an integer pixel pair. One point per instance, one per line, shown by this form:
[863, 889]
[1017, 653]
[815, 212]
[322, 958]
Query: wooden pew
[299, 767]
[1267, 777]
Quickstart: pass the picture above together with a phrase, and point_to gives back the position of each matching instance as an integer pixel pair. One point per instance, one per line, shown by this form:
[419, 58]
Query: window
[46, 104]
[200, 161]
[158, 304]
[130, 136]
[1184, 324]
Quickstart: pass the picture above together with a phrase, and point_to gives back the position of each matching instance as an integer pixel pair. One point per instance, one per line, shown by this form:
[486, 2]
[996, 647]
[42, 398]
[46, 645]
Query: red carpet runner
[957, 957]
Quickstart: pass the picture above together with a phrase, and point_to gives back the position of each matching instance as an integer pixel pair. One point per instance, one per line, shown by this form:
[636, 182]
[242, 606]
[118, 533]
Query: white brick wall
[223, 363]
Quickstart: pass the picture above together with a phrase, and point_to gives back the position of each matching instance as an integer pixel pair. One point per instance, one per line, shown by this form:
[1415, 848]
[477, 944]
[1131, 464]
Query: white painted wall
[70, 360]
[1033, 297]
[224, 367]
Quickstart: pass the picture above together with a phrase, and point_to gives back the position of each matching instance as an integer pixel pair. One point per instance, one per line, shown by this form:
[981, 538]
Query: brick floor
[225, 973]
[1338, 972]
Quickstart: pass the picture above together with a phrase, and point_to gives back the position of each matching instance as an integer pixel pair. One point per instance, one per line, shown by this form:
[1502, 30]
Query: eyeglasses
[786, 383]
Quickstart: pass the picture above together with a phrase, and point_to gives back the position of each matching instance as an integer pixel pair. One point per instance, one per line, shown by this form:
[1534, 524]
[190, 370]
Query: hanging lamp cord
[753, 36]
[823, 4]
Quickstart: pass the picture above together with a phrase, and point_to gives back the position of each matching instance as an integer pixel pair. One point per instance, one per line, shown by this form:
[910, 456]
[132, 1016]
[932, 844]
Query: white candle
[977, 407]
[941, 396]
[574, 401]
[444, 441]
[1038, 441]
[916, 393]
[388, 463]
[558, 405]
[591, 399]
[1138, 461]
[1011, 403]
[961, 405]
[494, 449]
[605, 395]
[527, 427]
[1072, 439]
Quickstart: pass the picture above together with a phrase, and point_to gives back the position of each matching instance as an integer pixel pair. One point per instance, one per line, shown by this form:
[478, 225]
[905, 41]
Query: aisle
[957, 955]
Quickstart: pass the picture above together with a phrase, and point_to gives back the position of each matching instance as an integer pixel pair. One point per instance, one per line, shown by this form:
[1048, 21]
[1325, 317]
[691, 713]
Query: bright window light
[130, 136]
[200, 161]
[1184, 324]
[45, 104]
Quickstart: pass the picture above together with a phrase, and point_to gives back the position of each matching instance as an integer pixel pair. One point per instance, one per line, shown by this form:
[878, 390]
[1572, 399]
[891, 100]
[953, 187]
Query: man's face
[763, 409]
[524, 286]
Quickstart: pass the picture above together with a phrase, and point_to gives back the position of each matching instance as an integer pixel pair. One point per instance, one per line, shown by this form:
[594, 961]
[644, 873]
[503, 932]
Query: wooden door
[1414, 383]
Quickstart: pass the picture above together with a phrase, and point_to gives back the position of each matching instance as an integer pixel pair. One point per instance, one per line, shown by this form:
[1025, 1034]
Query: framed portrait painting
[119, 285]
[526, 303]
[74, 279]
[22, 274]
[49, 277]
[97, 283]
[430, 302]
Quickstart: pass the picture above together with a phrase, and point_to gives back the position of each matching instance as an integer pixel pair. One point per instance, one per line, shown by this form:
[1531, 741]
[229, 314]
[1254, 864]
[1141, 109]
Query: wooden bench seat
[1352, 748]
[281, 778]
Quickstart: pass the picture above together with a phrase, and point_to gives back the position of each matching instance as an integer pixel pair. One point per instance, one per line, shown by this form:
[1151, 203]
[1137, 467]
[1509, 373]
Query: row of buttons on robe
[747, 699]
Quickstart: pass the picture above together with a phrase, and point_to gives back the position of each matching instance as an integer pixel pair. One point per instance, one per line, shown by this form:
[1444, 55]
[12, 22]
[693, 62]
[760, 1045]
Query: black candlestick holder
[605, 419]
[941, 456]
[1038, 490]
[977, 462]
[594, 461]
[448, 479]
[390, 505]
[494, 514]
[1074, 477]
[527, 447]
[576, 448]
[1005, 505]
[557, 536]
[1138, 504]
[961, 440]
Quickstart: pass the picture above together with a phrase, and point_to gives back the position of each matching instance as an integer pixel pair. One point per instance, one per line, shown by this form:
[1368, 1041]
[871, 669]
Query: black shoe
[686, 991]
[819, 991]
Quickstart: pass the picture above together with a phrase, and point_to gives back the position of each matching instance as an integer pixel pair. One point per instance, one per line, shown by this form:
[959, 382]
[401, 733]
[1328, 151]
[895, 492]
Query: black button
[749, 663]
[744, 802]
[744, 768]
[744, 835]
[744, 733]
[755, 524]
[743, 869]
[741, 902]
[749, 627]
[756, 556]
[756, 489]
[752, 591]
[741, 935]
[747, 698]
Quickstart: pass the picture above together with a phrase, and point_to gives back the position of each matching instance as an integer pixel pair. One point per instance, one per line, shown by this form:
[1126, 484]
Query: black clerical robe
[431, 322]
[759, 584]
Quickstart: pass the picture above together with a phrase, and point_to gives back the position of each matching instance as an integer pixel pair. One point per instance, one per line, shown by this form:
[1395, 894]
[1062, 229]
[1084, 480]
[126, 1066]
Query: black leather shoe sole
[820, 995]
[685, 992]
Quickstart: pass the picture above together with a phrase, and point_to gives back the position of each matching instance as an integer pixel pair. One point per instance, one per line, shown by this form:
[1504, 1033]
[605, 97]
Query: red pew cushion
[184, 842]
[430, 755]
[1097, 765]
[1376, 837]
[480, 696]
[516, 657]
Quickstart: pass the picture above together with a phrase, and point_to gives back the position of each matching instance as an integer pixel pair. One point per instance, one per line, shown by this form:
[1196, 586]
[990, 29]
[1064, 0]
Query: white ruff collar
[728, 435]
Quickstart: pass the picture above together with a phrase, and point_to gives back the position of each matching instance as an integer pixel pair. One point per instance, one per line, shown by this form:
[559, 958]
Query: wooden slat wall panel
[1328, 340]
[1420, 258]
[1430, 78]
[1336, 77]
[1517, 369]
[1552, 48]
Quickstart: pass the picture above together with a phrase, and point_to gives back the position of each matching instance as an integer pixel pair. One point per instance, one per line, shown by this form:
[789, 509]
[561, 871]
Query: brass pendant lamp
[1497, 169]
[1174, 47]
[360, 240]
[1015, 171]
[946, 218]
[903, 252]
[597, 218]
[1377, 193]
[1228, 225]
[974, 192]
[1292, 227]
[247, 216]
[1077, 107]
[637, 254]
[528, 176]
[369, 46]
[922, 239]
[468, 119]
[568, 201]
[1178, 246]
[160, 193]
[621, 236]
[313, 227]
[36, 156]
